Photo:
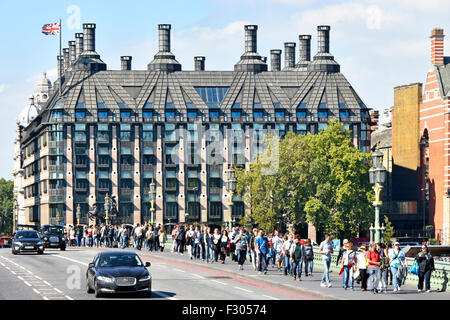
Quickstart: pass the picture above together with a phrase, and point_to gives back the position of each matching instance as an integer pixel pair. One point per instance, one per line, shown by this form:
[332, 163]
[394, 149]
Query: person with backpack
[309, 258]
[426, 266]
[181, 239]
[297, 254]
[384, 267]
[396, 259]
[348, 265]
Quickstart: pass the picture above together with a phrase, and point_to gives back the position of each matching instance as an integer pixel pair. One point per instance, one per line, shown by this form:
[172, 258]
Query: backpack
[309, 254]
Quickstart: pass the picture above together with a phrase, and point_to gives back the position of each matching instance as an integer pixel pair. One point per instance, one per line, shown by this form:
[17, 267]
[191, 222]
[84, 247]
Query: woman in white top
[216, 244]
[362, 266]
[287, 245]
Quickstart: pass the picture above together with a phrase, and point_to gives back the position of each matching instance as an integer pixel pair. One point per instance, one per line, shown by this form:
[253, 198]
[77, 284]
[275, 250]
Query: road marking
[47, 283]
[45, 298]
[38, 277]
[26, 282]
[73, 260]
[198, 276]
[13, 272]
[35, 290]
[20, 278]
[69, 298]
[219, 282]
[57, 290]
[163, 295]
[243, 289]
[179, 270]
[270, 297]
[7, 268]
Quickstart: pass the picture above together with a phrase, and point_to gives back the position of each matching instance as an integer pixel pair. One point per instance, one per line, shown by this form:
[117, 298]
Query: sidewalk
[309, 285]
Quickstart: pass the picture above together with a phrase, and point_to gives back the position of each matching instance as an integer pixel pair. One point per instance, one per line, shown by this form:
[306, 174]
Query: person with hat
[426, 266]
[396, 258]
[361, 259]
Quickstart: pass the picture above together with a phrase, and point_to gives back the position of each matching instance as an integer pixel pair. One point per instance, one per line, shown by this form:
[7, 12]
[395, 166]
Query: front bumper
[28, 248]
[108, 287]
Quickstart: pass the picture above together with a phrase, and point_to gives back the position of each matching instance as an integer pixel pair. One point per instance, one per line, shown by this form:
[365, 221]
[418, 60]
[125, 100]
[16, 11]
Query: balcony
[103, 189]
[103, 165]
[81, 189]
[56, 168]
[56, 144]
[127, 167]
[57, 192]
[82, 165]
[215, 190]
[126, 192]
[148, 167]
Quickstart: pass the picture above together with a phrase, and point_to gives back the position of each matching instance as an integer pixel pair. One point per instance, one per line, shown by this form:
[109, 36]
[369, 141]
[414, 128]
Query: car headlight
[146, 278]
[105, 279]
[45, 238]
[18, 243]
[40, 243]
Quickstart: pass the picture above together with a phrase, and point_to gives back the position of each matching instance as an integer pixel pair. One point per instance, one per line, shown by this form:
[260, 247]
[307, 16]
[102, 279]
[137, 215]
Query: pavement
[309, 285]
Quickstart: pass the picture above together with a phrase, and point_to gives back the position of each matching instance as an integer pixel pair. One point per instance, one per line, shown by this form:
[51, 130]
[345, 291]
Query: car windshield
[122, 260]
[27, 235]
[53, 230]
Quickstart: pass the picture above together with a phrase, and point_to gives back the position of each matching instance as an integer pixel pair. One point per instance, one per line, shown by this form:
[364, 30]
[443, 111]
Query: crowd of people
[373, 268]
[378, 266]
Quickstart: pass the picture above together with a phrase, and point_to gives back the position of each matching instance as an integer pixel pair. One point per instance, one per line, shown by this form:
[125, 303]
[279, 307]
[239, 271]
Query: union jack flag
[52, 29]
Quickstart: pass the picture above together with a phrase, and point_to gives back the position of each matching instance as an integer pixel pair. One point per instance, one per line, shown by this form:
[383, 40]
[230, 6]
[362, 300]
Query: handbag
[356, 275]
[414, 268]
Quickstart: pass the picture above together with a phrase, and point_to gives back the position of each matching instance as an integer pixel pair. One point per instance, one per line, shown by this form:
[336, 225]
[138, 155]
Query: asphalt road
[60, 275]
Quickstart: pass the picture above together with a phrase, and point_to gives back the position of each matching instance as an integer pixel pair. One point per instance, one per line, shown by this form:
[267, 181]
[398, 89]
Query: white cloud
[2, 87]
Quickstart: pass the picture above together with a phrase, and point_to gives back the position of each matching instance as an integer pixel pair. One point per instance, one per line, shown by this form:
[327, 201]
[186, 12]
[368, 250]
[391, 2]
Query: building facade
[435, 139]
[115, 131]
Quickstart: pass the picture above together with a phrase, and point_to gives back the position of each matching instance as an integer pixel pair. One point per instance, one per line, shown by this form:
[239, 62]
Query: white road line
[7, 268]
[69, 298]
[162, 295]
[57, 290]
[179, 270]
[36, 291]
[2, 263]
[239, 288]
[219, 282]
[47, 283]
[27, 283]
[73, 260]
[13, 272]
[20, 278]
[45, 298]
[198, 276]
[38, 277]
[270, 297]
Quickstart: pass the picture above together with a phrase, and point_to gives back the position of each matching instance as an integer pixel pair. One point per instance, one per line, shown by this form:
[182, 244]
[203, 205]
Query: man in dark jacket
[426, 266]
[181, 239]
[341, 251]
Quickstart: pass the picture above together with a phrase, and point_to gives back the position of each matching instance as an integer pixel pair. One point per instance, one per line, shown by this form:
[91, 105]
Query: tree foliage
[321, 179]
[389, 230]
[6, 207]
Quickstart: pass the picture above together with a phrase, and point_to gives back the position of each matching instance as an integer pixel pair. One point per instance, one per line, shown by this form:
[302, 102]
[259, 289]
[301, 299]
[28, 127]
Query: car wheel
[40, 251]
[88, 287]
[97, 292]
[14, 252]
[63, 248]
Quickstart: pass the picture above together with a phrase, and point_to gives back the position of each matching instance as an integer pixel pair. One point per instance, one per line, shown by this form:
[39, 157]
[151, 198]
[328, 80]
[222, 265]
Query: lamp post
[152, 194]
[107, 208]
[231, 188]
[78, 214]
[377, 176]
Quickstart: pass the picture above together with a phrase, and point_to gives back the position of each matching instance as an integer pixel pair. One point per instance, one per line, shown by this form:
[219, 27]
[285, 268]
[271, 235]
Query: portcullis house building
[115, 131]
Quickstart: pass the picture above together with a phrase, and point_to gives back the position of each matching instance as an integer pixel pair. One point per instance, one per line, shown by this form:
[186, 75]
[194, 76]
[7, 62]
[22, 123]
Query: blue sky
[379, 43]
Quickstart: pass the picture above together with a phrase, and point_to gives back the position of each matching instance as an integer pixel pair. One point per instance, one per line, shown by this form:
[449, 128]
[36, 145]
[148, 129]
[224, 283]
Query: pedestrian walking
[426, 267]
[362, 266]
[309, 258]
[373, 267]
[196, 243]
[287, 244]
[241, 248]
[162, 237]
[254, 256]
[149, 239]
[277, 242]
[341, 251]
[208, 240]
[261, 245]
[396, 260]
[190, 235]
[326, 249]
[384, 267]
[224, 247]
[216, 243]
[348, 266]
[181, 239]
[297, 256]
[174, 239]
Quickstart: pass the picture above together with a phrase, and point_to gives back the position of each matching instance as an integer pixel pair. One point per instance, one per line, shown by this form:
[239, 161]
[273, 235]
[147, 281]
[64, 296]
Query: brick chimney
[437, 47]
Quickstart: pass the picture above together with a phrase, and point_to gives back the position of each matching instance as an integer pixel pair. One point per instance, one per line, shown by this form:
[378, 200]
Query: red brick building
[435, 139]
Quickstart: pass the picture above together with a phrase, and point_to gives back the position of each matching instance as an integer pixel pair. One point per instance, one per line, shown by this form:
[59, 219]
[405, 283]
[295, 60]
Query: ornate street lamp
[152, 195]
[230, 185]
[78, 214]
[108, 204]
[377, 176]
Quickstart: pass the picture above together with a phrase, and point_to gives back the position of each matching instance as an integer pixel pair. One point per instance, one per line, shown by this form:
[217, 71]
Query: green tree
[322, 179]
[6, 206]
[389, 230]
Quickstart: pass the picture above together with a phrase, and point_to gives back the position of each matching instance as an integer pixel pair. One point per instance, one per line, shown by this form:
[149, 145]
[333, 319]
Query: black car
[27, 241]
[118, 272]
[53, 236]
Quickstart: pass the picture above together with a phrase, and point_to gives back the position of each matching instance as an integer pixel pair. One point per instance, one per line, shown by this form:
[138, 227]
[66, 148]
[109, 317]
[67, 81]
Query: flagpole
[60, 56]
